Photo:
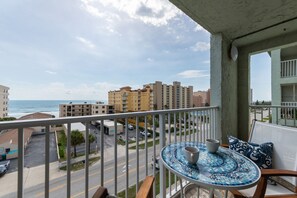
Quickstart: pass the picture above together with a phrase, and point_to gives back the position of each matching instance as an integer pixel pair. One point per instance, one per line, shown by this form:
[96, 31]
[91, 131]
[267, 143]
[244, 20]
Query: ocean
[18, 108]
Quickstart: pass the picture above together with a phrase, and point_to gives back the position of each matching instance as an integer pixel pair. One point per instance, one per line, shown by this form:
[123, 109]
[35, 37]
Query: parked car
[3, 170]
[145, 133]
[6, 164]
[156, 161]
[134, 138]
[130, 127]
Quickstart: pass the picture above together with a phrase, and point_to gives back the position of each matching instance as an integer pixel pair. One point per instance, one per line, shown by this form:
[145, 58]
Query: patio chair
[145, 191]
[284, 159]
[262, 185]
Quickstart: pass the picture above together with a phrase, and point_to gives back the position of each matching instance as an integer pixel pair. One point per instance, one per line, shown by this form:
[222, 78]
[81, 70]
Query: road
[58, 186]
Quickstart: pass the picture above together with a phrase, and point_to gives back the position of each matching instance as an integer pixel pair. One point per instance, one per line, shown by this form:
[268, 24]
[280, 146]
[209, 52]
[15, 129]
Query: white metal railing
[284, 114]
[192, 124]
[288, 68]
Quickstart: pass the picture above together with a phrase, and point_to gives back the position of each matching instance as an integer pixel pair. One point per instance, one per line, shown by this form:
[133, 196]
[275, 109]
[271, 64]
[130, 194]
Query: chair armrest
[101, 192]
[146, 189]
[278, 172]
[265, 173]
[225, 145]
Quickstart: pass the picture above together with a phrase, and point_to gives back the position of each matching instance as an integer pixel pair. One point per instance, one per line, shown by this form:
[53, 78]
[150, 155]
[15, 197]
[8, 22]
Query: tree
[92, 139]
[7, 119]
[77, 138]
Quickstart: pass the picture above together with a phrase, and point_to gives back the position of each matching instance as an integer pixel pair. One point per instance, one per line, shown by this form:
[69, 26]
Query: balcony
[284, 114]
[288, 68]
[120, 167]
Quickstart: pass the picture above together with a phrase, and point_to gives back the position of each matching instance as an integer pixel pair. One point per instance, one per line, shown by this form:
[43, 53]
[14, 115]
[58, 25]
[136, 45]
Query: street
[58, 186]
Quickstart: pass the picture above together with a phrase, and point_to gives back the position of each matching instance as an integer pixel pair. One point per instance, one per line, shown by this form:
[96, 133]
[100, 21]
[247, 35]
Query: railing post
[218, 132]
[47, 161]
[87, 151]
[162, 168]
[20, 162]
[68, 160]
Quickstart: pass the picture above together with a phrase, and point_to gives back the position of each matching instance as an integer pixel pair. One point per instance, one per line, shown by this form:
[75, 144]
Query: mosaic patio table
[224, 169]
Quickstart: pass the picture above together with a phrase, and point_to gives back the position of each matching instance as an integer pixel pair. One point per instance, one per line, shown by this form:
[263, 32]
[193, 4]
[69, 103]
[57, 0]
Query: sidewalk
[32, 177]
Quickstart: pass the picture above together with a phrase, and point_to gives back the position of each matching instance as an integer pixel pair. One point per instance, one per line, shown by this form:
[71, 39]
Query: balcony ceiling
[243, 21]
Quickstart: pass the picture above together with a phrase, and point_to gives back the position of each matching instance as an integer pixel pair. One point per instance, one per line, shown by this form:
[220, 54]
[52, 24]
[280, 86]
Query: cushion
[261, 154]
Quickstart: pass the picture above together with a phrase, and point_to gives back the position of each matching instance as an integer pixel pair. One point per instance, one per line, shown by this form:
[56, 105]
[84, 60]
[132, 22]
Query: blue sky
[81, 49]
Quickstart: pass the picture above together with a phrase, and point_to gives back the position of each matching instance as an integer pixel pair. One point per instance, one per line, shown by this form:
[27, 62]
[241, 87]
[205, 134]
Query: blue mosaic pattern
[225, 168]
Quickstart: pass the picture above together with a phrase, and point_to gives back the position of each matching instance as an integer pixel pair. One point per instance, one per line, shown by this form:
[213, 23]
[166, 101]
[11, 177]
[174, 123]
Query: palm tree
[77, 138]
[92, 139]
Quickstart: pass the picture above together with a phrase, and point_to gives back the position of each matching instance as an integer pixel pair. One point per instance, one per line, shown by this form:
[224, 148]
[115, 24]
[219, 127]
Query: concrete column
[275, 82]
[223, 83]
[243, 77]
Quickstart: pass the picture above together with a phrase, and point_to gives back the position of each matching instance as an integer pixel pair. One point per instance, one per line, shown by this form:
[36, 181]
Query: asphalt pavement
[35, 152]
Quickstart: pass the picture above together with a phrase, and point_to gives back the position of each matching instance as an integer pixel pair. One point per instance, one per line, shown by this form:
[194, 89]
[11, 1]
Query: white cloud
[199, 28]
[149, 59]
[155, 12]
[51, 72]
[206, 62]
[86, 42]
[193, 74]
[201, 46]
[61, 91]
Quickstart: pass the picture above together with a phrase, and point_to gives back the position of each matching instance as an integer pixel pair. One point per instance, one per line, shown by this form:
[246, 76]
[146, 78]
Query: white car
[145, 133]
[130, 127]
[156, 162]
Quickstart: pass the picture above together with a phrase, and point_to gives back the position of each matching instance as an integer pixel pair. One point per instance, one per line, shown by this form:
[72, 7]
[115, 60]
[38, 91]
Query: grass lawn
[62, 144]
[80, 165]
[142, 146]
[132, 189]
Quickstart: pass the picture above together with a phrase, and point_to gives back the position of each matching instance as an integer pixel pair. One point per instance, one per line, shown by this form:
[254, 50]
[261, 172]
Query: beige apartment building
[3, 101]
[201, 98]
[128, 100]
[84, 109]
[172, 96]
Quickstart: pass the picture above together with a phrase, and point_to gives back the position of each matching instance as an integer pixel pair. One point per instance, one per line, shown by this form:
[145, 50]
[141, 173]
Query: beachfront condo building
[201, 98]
[284, 84]
[84, 109]
[3, 101]
[172, 96]
[128, 100]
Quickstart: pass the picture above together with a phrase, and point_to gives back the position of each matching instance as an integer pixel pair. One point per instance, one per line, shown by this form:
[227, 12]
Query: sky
[81, 49]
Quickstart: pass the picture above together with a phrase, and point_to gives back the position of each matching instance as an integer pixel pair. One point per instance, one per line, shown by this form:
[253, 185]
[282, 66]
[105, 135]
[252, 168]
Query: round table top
[224, 169]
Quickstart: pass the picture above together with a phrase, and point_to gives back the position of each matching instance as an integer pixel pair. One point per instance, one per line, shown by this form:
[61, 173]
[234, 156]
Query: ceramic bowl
[191, 154]
[212, 145]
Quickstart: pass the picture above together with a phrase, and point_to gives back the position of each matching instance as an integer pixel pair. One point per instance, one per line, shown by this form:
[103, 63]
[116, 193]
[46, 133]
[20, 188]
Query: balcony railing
[288, 68]
[285, 114]
[193, 124]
